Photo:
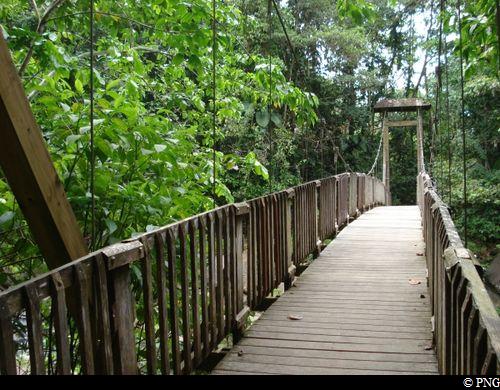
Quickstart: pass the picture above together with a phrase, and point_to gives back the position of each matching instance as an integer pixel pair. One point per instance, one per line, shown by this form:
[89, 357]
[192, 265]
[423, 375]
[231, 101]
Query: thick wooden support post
[7, 344]
[118, 258]
[124, 355]
[420, 141]
[386, 177]
[289, 241]
[30, 173]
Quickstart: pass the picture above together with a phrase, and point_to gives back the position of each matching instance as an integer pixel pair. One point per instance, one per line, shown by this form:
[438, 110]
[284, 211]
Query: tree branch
[35, 8]
[39, 30]
[426, 58]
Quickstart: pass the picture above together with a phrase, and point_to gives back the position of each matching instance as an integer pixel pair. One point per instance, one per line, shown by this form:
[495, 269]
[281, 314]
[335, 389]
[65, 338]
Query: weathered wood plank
[297, 370]
[337, 330]
[84, 322]
[303, 348]
[147, 291]
[172, 283]
[123, 318]
[186, 323]
[104, 351]
[34, 325]
[333, 319]
[7, 345]
[61, 325]
[196, 264]
[391, 345]
[219, 291]
[205, 325]
[314, 311]
[351, 305]
[227, 270]
[161, 282]
[212, 280]
[401, 123]
[251, 355]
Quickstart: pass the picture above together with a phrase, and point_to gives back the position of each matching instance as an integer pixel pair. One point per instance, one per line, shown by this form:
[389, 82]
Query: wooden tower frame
[386, 106]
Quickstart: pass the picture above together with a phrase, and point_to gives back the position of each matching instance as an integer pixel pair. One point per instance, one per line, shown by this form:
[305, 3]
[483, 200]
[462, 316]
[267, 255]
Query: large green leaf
[262, 118]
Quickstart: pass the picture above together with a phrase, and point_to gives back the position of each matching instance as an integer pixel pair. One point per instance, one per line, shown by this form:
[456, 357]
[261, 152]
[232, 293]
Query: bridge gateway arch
[387, 106]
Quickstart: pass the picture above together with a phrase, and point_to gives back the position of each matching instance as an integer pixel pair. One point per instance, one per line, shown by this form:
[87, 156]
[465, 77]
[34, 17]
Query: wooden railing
[197, 280]
[466, 324]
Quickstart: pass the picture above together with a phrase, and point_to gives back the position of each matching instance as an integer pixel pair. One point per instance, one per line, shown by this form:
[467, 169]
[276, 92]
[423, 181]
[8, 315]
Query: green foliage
[403, 165]
[483, 211]
[358, 11]
[482, 119]
[283, 114]
[480, 36]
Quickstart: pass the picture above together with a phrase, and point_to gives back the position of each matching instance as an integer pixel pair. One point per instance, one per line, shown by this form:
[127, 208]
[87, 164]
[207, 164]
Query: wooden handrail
[466, 324]
[197, 280]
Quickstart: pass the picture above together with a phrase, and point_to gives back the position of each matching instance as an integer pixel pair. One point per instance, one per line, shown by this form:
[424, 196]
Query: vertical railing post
[385, 152]
[118, 258]
[420, 141]
[367, 192]
[353, 196]
[289, 240]
[360, 193]
[317, 205]
[334, 207]
[374, 200]
[241, 212]
[7, 346]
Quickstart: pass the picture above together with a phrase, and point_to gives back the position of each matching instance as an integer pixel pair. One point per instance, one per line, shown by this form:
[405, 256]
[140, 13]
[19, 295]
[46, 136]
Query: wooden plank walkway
[360, 314]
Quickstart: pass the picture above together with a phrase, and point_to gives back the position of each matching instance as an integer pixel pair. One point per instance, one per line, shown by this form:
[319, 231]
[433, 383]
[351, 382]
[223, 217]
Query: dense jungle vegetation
[289, 107]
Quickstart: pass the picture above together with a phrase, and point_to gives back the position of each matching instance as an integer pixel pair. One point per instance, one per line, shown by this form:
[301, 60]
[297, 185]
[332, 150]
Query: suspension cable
[292, 49]
[437, 118]
[448, 125]
[462, 117]
[346, 164]
[432, 127]
[377, 156]
[269, 105]
[92, 149]
[214, 97]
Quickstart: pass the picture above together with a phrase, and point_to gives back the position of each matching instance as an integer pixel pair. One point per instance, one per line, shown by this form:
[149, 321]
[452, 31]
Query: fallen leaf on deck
[293, 317]
[413, 281]
[422, 296]
[419, 254]
[240, 353]
[429, 347]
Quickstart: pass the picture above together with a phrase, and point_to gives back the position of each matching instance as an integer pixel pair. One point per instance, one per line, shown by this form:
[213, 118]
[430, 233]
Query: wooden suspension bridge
[394, 292]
